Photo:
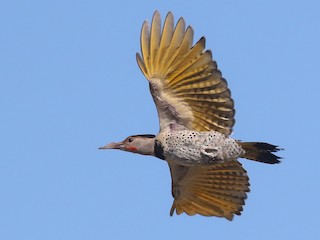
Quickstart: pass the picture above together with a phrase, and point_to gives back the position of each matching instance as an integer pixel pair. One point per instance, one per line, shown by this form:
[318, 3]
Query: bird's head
[142, 144]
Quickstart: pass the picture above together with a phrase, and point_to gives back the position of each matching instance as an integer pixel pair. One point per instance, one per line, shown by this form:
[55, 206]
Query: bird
[196, 117]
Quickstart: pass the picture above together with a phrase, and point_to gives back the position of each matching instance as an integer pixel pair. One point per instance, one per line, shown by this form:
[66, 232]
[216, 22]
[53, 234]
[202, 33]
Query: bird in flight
[196, 116]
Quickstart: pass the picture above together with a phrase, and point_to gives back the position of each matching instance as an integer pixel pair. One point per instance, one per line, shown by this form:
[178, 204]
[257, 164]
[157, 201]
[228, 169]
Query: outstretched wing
[186, 85]
[217, 190]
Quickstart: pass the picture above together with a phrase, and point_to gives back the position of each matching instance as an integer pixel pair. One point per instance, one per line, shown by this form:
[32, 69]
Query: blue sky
[69, 84]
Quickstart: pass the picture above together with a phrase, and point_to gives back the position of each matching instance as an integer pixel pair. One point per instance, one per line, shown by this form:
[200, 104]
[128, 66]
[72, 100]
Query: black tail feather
[260, 152]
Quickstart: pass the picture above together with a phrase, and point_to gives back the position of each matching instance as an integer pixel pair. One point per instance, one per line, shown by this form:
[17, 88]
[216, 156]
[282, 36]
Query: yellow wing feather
[217, 190]
[184, 78]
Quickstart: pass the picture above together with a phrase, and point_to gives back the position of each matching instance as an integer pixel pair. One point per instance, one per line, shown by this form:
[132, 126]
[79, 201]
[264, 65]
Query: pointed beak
[118, 145]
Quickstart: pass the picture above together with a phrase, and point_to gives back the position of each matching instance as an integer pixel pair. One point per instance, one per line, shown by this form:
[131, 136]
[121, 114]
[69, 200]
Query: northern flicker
[196, 115]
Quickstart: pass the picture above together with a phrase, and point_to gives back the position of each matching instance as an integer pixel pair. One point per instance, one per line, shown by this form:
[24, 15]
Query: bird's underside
[192, 96]
[191, 148]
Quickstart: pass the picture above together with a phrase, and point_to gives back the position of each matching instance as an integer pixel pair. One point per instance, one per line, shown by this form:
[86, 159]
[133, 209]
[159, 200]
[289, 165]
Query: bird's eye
[130, 139]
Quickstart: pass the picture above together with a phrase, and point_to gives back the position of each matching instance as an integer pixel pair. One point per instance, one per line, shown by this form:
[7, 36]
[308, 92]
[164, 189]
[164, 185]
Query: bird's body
[196, 116]
[192, 148]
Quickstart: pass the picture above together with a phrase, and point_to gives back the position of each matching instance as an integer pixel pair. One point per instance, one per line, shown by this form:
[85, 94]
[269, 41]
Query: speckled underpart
[192, 148]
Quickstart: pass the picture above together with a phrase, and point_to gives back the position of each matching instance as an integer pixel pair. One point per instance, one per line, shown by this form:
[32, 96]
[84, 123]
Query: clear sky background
[69, 83]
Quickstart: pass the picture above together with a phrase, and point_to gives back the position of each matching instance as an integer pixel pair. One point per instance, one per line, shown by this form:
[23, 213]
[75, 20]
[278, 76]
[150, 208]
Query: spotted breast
[191, 148]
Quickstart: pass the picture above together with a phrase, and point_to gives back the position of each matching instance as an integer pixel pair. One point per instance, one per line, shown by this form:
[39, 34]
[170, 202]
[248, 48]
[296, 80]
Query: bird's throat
[158, 150]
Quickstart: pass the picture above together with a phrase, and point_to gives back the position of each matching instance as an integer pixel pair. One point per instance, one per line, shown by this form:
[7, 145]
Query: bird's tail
[260, 152]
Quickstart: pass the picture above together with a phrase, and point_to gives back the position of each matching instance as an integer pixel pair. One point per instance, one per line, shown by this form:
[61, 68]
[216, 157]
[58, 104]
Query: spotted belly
[196, 148]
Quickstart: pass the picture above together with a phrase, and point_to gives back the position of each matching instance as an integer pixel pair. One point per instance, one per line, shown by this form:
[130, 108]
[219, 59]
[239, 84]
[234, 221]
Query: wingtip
[229, 217]
[182, 22]
[145, 26]
[156, 18]
[169, 18]
[169, 14]
[202, 41]
[173, 208]
[156, 13]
